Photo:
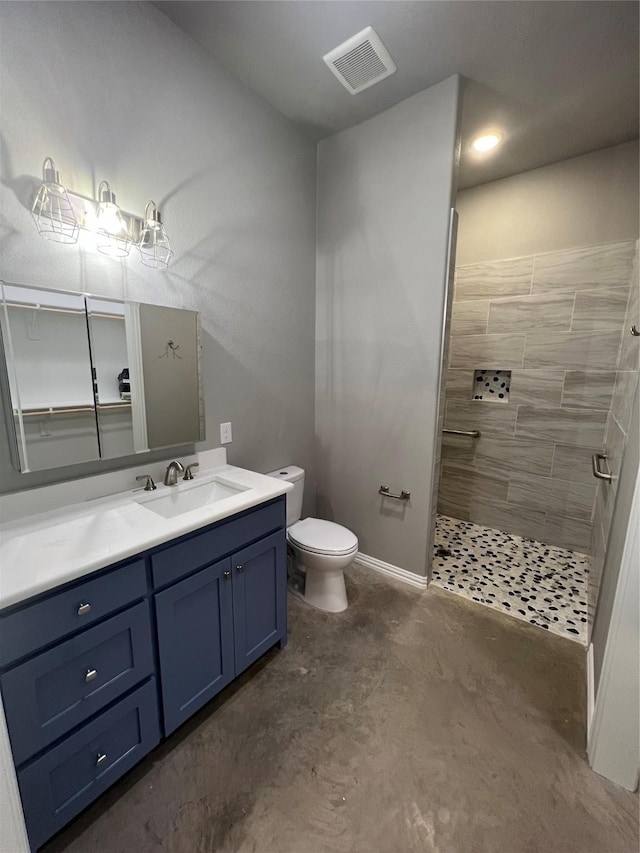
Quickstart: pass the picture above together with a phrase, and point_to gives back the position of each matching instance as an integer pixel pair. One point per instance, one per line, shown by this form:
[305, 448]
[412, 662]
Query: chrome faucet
[171, 474]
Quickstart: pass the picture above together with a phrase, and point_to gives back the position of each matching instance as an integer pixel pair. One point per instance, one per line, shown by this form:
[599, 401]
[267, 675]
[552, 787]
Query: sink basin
[180, 499]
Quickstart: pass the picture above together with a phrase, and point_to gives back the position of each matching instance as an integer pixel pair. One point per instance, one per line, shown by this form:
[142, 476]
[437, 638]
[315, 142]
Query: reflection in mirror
[93, 378]
[107, 334]
[49, 373]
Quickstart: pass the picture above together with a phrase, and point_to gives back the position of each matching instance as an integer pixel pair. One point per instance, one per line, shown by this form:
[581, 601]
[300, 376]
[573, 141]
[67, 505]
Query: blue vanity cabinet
[215, 623]
[259, 599]
[94, 673]
[195, 641]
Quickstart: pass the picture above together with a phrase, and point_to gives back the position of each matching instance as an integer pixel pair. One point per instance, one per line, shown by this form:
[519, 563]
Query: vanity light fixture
[155, 250]
[60, 214]
[113, 235]
[486, 142]
[52, 211]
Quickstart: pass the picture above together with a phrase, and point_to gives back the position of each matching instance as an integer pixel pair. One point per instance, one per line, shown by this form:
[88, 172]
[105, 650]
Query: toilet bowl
[319, 551]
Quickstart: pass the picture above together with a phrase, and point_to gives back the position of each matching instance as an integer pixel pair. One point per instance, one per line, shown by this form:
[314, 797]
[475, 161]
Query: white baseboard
[416, 581]
[591, 694]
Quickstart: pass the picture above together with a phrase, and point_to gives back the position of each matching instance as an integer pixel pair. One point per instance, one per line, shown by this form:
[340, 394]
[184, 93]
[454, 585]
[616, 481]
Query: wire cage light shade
[154, 246]
[52, 211]
[113, 234]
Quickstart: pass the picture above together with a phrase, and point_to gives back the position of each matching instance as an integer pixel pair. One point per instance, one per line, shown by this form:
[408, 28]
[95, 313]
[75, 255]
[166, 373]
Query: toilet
[319, 551]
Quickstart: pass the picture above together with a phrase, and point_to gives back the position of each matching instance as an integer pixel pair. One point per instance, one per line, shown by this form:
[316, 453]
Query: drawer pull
[84, 609]
[240, 569]
[91, 674]
[227, 575]
[101, 757]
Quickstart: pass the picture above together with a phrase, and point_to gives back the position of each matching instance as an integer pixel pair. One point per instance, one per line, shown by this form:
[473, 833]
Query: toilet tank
[295, 475]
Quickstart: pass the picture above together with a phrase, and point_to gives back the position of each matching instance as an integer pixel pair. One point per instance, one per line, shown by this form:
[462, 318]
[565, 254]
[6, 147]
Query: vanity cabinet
[94, 674]
[215, 623]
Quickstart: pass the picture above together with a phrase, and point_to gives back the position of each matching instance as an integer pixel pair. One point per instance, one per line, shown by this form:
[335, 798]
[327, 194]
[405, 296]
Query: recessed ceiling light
[485, 142]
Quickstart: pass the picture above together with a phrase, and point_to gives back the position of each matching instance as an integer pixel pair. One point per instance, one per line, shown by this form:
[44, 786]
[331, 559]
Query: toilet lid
[322, 537]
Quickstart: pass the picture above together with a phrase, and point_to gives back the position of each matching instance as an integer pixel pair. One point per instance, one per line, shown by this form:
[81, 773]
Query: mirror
[91, 378]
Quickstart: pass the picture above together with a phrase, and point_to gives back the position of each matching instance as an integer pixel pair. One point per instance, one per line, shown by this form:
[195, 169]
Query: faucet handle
[187, 474]
[150, 486]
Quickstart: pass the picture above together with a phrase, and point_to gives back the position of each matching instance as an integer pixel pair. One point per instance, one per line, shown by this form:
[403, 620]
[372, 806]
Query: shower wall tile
[488, 280]
[514, 519]
[463, 487]
[506, 455]
[555, 497]
[597, 310]
[583, 427]
[583, 269]
[614, 445]
[498, 351]
[537, 387]
[469, 318]
[630, 345]
[459, 384]
[568, 533]
[572, 350]
[623, 395]
[552, 311]
[573, 463]
[556, 321]
[459, 449]
[588, 389]
[490, 418]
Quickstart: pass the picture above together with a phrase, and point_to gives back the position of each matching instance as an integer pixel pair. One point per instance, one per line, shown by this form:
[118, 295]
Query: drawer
[57, 690]
[58, 785]
[36, 625]
[206, 547]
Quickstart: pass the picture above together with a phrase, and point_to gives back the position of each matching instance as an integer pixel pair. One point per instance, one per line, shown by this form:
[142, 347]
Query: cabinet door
[195, 640]
[259, 598]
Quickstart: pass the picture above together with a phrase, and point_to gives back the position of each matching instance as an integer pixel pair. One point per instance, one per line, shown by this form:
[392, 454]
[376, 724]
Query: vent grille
[360, 61]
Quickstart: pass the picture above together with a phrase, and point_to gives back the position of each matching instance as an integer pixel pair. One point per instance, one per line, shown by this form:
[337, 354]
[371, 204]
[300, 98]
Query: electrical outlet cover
[225, 433]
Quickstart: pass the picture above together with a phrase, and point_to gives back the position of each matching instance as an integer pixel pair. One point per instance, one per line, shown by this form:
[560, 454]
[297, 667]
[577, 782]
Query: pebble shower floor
[522, 577]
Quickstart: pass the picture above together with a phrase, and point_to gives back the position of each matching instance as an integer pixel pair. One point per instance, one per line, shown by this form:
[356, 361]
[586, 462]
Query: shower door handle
[597, 472]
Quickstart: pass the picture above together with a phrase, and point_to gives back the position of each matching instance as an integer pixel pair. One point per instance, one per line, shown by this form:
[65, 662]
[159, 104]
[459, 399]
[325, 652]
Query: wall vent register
[491, 386]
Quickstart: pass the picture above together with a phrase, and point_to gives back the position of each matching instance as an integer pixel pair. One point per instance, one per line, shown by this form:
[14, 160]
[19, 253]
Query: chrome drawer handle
[91, 674]
[240, 569]
[226, 575]
[597, 472]
[101, 757]
[84, 609]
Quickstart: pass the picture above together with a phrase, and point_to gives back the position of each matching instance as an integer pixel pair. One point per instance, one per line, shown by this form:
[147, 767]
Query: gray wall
[385, 189]
[134, 101]
[584, 201]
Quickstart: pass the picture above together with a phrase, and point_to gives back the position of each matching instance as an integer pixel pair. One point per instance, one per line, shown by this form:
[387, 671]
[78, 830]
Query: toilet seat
[322, 537]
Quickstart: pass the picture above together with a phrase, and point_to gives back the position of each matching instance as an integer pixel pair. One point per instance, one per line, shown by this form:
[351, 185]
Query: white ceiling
[557, 78]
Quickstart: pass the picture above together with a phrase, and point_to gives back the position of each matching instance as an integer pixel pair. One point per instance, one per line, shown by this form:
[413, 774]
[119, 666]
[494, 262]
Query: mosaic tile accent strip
[522, 577]
[492, 385]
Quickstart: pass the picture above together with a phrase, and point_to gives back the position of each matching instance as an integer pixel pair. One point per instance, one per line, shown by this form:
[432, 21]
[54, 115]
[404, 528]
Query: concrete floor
[412, 722]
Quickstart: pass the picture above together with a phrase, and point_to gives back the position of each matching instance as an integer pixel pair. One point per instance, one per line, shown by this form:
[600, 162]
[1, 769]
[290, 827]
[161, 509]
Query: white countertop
[42, 551]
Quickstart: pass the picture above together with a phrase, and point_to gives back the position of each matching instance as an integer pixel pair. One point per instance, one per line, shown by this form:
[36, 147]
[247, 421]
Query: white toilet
[320, 551]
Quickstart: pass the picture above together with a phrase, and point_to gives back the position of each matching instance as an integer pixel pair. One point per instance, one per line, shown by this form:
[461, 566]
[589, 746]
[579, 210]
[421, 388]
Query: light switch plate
[225, 433]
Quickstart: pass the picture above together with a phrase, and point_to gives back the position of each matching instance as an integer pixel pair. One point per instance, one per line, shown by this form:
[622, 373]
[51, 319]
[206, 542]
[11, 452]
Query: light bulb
[52, 211]
[113, 234]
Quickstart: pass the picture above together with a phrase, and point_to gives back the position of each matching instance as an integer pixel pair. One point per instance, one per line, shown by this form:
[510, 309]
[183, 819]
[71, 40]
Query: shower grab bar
[474, 433]
[595, 464]
[403, 496]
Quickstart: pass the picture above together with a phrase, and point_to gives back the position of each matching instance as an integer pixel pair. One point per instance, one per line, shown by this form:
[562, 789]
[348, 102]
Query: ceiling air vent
[360, 61]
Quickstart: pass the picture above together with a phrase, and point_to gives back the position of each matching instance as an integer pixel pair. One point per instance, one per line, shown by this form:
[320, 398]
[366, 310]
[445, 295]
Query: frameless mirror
[90, 378]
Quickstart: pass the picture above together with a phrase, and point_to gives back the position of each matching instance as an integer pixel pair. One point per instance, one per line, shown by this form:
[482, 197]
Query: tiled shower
[554, 325]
